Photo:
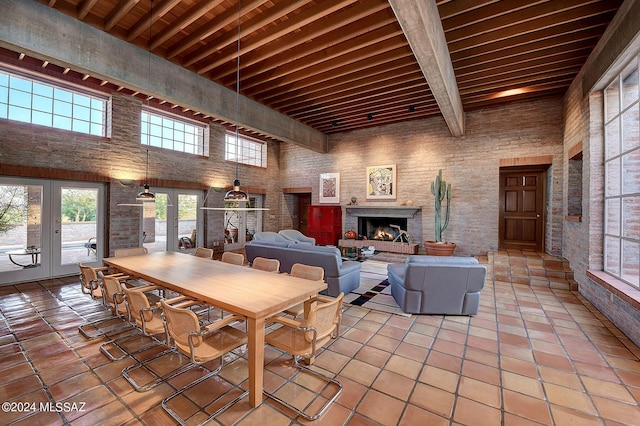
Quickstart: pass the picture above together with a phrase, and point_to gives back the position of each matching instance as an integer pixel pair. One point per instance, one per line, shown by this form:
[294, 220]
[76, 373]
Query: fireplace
[380, 225]
[381, 228]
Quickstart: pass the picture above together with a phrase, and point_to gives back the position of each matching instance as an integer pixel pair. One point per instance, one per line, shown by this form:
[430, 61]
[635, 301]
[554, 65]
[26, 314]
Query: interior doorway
[304, 201]
[522, 206]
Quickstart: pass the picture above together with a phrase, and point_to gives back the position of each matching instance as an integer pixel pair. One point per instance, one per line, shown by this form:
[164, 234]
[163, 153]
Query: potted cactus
[441, 192]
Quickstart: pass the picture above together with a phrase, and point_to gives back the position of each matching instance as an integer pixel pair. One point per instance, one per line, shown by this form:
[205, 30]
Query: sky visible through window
[36, 102]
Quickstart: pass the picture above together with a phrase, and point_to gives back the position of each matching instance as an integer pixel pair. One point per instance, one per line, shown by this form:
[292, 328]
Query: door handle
[538, 215]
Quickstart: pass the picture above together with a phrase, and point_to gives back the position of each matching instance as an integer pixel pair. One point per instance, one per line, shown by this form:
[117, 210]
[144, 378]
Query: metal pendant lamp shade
[146, 195]
[236, 194]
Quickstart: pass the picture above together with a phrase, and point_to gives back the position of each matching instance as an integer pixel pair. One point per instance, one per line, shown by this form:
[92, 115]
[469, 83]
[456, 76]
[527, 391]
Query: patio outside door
[48, 227]
[173, 222]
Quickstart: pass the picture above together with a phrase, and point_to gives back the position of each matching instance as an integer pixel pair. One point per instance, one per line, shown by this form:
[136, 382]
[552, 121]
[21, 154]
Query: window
[574, 190]
[37, 102]
[622, 177]
[164, 131]
[245, 151]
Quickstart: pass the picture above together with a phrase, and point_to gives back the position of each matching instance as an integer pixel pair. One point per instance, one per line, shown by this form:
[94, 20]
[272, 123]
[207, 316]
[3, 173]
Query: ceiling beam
[26, 27]
[421, 25]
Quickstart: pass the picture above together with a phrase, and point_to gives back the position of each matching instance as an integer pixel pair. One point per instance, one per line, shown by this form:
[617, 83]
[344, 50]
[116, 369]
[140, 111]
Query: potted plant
[441, 192]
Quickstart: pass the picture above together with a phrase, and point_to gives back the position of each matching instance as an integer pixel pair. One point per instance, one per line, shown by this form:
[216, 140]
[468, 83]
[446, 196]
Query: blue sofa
[340, 276]
[437, 285]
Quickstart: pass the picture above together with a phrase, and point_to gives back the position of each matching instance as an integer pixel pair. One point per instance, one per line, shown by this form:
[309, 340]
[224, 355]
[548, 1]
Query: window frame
[246, 157]
[621, 239]
[62, 97]
[200, 147]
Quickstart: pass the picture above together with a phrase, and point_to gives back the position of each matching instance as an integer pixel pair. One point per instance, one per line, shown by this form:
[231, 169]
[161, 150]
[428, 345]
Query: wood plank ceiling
[341, 65]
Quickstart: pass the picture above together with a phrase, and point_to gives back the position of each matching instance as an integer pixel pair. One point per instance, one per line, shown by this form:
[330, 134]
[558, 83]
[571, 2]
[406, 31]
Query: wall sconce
[217, 188]
[127, 182]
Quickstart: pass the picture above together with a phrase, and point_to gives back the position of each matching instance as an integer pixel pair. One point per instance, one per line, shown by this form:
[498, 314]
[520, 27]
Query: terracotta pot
[439, 249]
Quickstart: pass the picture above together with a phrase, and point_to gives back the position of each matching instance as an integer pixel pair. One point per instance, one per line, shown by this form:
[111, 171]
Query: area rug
[374, 292]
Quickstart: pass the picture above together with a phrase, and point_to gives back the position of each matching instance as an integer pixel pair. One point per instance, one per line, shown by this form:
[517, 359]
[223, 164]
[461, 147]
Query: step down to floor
[531, 268]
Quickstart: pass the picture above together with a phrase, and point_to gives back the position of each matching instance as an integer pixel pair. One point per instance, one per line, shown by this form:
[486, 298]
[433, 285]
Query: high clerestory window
[175, 133]
[245, 150]
[46, 104]
[622, 176]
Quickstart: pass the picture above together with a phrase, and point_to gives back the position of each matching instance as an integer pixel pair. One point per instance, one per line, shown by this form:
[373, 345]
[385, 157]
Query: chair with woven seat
[112, 297]
[303, 339]
[233, 258]
[264, 264]
[308, 272]
[90, 282]
[201, 345]
[203, 252]
[145, 318]
[150, 322]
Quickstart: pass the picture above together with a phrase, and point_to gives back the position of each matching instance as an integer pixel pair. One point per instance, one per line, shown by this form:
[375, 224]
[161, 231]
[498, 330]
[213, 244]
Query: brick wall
[470, 163]
[35, 151]
[583, 241]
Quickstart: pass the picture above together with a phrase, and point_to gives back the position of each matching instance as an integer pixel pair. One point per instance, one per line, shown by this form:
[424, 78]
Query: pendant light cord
[238, 90]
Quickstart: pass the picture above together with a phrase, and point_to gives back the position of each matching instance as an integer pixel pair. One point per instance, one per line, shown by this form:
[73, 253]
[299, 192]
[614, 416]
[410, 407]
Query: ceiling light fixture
[235, 196]
[146, 195]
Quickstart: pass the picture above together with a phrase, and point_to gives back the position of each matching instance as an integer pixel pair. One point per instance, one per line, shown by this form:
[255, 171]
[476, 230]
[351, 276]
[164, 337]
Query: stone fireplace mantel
[383, 211]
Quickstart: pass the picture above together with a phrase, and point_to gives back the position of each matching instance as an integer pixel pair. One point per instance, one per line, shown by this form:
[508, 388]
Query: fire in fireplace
[380, 228]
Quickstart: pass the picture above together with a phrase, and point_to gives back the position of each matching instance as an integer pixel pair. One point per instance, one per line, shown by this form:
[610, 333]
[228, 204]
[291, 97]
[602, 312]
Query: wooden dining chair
[308, 272]
[234, 258]
[203, 252]
[303, 339]
[264, 264]
[201, 345]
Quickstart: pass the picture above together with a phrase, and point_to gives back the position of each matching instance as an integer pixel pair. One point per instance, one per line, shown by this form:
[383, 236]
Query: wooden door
[304, 201]
[522, 201]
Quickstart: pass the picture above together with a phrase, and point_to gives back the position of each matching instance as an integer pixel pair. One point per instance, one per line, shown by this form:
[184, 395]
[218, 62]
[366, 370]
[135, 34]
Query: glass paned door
[48, 227]
[23, 240]
[173, 222]
[77, 226]
[243, 223]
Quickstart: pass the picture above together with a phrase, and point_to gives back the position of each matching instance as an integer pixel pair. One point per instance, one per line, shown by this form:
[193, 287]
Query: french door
[173, 222]
[242, 224]
[48, 227]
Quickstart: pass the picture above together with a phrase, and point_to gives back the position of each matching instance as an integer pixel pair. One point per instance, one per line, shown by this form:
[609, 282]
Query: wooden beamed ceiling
[341, 65]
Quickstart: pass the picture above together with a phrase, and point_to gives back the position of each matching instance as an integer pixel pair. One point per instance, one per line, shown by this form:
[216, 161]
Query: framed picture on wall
[330, 188]
[381, 182]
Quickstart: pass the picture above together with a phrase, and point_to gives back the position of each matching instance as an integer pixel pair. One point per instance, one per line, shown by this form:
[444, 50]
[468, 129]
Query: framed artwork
[381, 182]
[330, 187]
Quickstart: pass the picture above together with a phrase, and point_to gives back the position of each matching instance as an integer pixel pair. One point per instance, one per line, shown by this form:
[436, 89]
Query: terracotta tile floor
[536, 353]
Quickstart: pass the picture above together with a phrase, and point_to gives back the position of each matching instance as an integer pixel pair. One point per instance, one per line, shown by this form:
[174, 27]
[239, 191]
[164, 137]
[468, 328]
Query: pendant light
[236, 195]
[146, 195]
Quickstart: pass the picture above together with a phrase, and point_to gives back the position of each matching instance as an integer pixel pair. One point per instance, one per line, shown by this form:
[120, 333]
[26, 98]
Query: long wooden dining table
[241, 290]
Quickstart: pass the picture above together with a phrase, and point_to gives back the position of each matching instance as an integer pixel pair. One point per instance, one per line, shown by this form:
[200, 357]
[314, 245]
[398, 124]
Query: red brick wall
[470, 163]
